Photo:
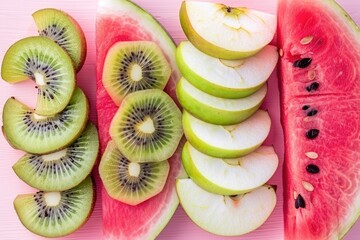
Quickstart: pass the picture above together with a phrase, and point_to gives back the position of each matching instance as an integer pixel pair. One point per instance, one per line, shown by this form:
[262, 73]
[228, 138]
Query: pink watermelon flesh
[333, 205]
[119, 20]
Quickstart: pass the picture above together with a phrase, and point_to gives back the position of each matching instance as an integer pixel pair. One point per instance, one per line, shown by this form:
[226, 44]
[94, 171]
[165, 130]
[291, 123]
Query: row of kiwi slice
[146, 129]
[61, 145]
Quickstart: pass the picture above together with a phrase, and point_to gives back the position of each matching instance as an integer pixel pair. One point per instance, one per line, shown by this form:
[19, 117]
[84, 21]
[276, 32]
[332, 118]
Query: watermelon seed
[295, 194]
[312, 87]
[281, 52]
[312, 168]
[311, 75]
[312, 155]
[305, 107]
[299, 202]
[312, 133]
[306, 40]
[308, 186]
[302, 63]
[312, 112]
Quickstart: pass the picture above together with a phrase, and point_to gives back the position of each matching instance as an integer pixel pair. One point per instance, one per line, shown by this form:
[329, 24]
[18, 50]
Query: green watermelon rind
[169, 47]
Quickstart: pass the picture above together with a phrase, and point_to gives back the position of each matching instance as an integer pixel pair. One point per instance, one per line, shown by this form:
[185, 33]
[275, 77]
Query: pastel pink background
[16, 23]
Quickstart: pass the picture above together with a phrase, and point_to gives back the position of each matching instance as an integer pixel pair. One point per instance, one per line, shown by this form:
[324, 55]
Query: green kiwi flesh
[147, 126]
[63, 30]
[63, 169]
[56, 214]
[131, 182]
[134, 66]
[27, 131]
[43, 61]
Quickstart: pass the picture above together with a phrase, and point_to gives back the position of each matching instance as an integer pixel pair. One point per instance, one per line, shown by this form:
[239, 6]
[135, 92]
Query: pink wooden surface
[16, 23]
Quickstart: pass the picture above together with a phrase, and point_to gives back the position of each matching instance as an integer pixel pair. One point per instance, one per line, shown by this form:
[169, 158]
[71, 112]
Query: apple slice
[226, 32]
[230, 141]
[226, 215]
[230, 176]
[226, 78]
[217, 110]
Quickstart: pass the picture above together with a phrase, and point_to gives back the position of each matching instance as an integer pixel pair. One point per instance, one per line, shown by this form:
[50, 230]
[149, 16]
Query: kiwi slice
[43, 61]
[131, 182]
[56, 214]
[32, 133]
[63, 30]
[63, 169]
[147, 127]
[134, 66]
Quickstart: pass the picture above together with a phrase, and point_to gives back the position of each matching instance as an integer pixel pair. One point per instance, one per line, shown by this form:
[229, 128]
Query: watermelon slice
[320, 112]
[121, 20]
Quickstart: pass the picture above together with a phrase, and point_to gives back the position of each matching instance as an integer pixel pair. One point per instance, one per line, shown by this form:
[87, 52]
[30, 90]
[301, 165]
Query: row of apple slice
[226, 193]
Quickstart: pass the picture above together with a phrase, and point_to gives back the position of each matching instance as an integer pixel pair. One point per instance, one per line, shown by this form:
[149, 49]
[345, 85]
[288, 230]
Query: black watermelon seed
[312, 133]
[312, 87]
[299, 202]
[312, 112]
[302, 63]
[305, 107]
[312, 168]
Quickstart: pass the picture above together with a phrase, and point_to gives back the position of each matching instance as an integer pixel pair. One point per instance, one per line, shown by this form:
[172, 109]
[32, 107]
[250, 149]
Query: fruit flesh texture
[123, 21]
[62, 24]
[226, 215]
[253, 29]
[26, 59]
[75, 215]
[334, 204]
[63, 130]
[70, 170]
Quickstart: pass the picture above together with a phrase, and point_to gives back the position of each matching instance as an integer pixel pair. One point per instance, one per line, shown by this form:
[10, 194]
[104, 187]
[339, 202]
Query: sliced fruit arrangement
[59, 213]
[139, 196]
[133, 66]
[237, 214]
[320, 112]
[227, 166]
[245, 31]
[64, 30]
[61, 145]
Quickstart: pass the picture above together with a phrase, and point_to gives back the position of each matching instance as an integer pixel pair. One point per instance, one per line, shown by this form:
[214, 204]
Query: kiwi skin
[19, 200]
[77, 55]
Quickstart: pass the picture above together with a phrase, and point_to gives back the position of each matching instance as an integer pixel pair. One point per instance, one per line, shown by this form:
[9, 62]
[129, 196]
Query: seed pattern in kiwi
[70, 200]
[149, 71]
[46, 66]
[71, 162]
[52, 125]
[159, 113]
[58, 34]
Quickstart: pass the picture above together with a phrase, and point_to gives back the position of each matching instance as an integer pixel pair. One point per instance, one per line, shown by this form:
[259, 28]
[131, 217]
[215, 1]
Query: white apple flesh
[230, 176]
[230, 141]
[226, 215]
[226, 32]
[225, 78]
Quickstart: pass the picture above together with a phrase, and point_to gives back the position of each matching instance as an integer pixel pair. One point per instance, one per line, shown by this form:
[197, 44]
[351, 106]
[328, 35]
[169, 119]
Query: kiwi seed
[134, 66]
[56, 214]
[147, 127]
[32, 133]
[131, 182]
